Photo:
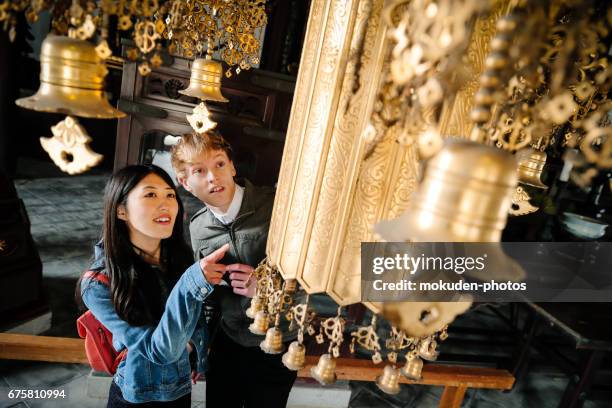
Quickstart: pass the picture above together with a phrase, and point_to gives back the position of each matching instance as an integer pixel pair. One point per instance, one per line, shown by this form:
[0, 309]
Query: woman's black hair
[121, 261]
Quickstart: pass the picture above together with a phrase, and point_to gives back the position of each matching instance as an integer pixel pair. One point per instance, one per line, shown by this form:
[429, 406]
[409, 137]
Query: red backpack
[101, 354]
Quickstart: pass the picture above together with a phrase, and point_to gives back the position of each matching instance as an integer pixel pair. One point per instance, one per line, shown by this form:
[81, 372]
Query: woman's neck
[148, 249]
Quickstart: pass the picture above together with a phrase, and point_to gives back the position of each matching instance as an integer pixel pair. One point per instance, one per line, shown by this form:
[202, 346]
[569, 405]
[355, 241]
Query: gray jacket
[247, 236]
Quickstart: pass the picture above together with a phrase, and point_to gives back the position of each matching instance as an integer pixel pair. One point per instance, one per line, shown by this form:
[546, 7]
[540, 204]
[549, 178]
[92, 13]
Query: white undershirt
[233, 209]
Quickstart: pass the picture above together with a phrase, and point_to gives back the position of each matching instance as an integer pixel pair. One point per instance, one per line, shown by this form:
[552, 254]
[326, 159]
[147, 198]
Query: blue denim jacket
[157, 364]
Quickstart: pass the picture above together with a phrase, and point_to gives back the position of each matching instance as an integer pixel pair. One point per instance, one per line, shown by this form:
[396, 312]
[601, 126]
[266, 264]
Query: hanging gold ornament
[530, 168]
[388, 382]
[521, 204]
[200, 119]
[414, 366]
[144, 68]
[205, 81]
[103, 50]
[69, 147]
[273, 343]
[325, 370]
[295, 358]
[260, 325]
[145, 36]
[256, 306]
[71, 80]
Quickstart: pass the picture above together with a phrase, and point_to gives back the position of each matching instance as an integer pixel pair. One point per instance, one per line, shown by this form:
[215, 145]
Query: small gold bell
[427, 349]
[413, 367]
[324, 372]
[389, 380]
[530, 168]
[205, 81]
[295, 357]
[256, 306]
[290, 286]
[273, 343]
[261, 323]
[71, 80]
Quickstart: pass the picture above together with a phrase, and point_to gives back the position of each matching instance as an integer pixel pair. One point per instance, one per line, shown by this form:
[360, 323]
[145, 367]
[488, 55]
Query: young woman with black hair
[154, 302]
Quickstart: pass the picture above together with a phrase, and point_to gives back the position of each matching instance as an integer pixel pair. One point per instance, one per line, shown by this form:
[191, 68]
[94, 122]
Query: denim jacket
[157, 364]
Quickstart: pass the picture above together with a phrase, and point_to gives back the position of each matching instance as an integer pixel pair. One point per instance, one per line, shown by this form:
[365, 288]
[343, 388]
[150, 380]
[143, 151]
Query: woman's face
[150, 211]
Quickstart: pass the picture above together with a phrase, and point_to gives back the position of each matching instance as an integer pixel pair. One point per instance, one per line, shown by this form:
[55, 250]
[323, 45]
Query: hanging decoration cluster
[188, 28]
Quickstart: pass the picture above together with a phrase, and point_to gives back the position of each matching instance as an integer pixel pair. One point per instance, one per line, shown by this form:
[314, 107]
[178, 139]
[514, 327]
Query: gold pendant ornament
[325, 370]
[200, 119]
[388, 382]
[295, 358]
[205, 81]
[71, 80]
[273, 343]
[427, 349]
[413, 367]
[256, 306]
[521, 204]
[261, 323]
[145, 36]
[69, 147]
[531, 165]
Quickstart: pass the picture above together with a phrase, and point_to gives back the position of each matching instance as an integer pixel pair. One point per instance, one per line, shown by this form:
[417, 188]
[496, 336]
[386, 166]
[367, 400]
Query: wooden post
[452, 397]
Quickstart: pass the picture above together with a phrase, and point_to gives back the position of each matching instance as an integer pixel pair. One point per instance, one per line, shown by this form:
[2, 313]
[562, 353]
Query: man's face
[211, 178]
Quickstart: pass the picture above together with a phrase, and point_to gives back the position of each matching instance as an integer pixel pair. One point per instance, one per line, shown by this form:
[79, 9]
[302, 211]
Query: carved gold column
[337, 85]
[343, 169]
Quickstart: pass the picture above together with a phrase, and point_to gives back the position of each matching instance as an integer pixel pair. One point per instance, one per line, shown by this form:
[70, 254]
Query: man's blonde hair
[192, 145]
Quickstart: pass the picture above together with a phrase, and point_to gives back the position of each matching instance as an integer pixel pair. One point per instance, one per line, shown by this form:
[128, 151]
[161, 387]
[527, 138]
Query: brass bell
[295, 357]
[71, 80]
[205, 81]
[256, 306]
[273, 343]
[324, 372]
[389, 380]
[530, 168]
[261, 323]
[427, 349]
[413, 367]
[465, 196]
[290, 286]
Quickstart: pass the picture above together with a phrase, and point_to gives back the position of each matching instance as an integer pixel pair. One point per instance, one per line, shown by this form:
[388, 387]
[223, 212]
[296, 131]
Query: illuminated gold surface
[71, 80]
[205, 81]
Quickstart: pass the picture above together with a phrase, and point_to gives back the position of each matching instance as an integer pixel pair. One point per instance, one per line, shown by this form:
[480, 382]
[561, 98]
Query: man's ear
[233, 168]
[122, 212]
[183, 181]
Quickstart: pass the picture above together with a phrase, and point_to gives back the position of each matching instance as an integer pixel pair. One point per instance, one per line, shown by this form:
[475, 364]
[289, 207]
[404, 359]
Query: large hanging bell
[389, 381]
[427, 349]
[325, 370]
[530, 168]
[413, 367]
[71, 80]
[273, 343]
[261, 323]
[295, 357]
[465, 196]
[256, 306]
[205, 81]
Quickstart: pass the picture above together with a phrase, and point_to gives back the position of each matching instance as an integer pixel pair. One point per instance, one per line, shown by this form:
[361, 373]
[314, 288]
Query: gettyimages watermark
[488, 272]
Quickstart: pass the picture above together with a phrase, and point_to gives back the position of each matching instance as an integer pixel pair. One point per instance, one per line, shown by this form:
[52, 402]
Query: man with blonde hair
[239, 373]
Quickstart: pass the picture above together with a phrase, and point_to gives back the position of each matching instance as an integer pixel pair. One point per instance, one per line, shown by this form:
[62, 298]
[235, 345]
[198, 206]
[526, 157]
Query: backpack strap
[99, 276]
[102, 278]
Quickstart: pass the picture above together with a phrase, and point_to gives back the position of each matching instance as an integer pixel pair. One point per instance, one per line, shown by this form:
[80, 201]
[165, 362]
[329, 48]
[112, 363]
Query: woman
[154, 302]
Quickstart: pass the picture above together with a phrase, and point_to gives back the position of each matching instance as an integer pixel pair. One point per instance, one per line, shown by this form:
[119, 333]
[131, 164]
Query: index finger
[217, 254]
[239, 267]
